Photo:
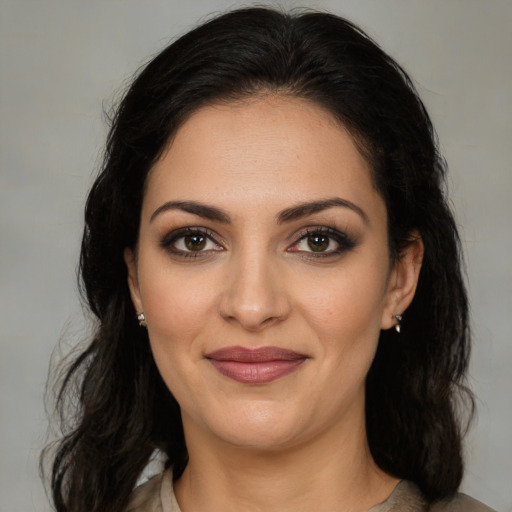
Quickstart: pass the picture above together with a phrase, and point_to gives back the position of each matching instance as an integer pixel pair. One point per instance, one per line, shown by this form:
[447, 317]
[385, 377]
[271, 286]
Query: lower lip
[256, 373]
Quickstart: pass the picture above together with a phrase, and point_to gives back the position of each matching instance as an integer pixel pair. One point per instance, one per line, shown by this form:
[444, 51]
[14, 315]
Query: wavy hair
[123, 411]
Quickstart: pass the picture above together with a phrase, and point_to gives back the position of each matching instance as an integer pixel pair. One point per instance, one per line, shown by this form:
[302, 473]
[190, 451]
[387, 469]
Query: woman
[276, 277]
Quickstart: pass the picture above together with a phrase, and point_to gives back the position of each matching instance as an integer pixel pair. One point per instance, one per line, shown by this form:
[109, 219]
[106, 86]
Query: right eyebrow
[199, 209]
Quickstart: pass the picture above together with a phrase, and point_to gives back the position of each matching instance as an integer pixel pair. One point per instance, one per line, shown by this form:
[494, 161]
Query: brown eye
[322, 242]
[195, 242]
[318, 242]
[191, 242]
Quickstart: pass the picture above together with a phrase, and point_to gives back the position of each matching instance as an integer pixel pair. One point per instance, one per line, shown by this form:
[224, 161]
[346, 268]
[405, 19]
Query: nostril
[253, 295]
[254, 317]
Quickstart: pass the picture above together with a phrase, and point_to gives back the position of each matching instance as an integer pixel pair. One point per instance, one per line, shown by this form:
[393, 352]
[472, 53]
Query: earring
[141, 317]
[398, 325]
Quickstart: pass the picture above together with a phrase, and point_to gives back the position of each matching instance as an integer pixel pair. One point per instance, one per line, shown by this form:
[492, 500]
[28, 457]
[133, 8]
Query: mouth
[255, 366]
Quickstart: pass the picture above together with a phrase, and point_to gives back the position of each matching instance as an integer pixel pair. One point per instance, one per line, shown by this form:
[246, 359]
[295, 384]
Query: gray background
[61, 60]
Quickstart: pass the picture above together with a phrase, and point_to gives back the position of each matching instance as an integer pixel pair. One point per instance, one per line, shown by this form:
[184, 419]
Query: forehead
[270, 148]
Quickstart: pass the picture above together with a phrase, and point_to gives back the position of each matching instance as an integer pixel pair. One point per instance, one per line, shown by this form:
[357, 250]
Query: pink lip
[255, 366]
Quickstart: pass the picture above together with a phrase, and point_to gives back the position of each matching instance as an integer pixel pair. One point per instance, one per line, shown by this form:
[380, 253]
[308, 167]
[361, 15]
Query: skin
[298, 442]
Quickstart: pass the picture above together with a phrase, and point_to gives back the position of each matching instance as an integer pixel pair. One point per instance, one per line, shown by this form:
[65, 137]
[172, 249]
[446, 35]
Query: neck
[334, 471]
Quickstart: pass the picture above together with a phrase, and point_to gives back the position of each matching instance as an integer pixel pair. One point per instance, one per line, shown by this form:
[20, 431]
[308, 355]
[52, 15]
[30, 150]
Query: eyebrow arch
[200, 209]
[304, 209]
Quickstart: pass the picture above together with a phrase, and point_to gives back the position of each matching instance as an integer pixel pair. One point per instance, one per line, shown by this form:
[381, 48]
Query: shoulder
[155, 495]
[460, 503]
[408, 498]
[146, 497]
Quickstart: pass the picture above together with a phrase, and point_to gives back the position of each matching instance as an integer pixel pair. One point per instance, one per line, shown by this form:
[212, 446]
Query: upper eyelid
[327, 230]
[344, 240]
[178, 233]
[189, 229]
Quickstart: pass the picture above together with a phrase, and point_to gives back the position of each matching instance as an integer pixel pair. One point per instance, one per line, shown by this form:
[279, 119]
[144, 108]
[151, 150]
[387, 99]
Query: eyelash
[169, 241]
[344, 242]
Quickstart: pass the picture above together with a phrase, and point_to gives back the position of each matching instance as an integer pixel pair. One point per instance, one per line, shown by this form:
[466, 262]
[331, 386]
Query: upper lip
[254, 355]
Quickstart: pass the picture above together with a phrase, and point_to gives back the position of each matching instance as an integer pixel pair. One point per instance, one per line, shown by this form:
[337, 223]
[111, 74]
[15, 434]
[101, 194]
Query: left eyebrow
[304, 209]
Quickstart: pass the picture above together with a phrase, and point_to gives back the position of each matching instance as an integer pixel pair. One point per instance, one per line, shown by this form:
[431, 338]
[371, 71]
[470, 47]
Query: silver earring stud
[141, 317]
[398, 325]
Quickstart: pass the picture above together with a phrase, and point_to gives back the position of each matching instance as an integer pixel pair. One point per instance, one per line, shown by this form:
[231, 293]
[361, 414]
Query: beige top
[157, 495]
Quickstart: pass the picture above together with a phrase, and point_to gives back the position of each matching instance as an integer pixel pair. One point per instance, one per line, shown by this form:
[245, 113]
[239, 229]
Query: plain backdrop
[63, 61]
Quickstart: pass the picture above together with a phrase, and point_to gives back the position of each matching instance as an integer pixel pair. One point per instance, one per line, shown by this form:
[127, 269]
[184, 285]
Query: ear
[403, 281]
[133, 281]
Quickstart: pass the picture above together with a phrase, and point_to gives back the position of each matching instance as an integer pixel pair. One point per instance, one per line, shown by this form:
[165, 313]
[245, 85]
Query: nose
[254, 294]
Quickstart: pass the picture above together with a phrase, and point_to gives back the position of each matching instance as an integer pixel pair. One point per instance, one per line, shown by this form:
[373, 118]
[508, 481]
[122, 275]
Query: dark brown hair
[124, 412]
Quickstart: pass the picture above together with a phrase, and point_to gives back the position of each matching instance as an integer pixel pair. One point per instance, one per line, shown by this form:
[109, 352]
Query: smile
[255, 366]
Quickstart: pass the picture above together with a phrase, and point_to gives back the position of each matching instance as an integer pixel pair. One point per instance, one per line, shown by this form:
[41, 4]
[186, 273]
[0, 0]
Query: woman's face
[264, 273]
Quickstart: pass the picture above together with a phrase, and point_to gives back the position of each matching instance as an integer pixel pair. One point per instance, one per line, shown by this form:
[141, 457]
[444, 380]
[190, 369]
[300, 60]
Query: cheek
[171, 296]
[346, 307]
[178, 306]
[177, 312]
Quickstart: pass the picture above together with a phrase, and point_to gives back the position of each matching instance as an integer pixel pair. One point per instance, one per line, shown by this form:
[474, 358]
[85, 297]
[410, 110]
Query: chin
[259, 426]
